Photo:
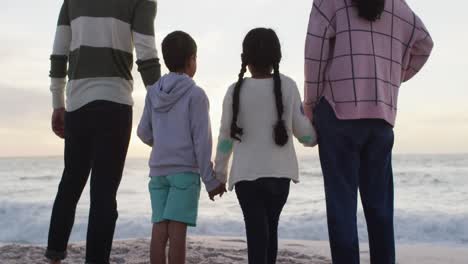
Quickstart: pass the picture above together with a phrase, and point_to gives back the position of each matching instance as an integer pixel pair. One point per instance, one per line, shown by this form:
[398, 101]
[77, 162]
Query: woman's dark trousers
[357, 155]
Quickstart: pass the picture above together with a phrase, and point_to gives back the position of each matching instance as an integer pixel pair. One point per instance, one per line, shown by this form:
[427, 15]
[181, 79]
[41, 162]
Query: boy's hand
[220, 190]
[58, 122]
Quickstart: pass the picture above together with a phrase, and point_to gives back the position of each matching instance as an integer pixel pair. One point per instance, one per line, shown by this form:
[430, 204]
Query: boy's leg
[181, 210]
[159, 238]
[159, 191]
[251, 199]
[113, 124]
[177, 242]
[78, 144]
[278, 192]
[376, 187]
[339, 144]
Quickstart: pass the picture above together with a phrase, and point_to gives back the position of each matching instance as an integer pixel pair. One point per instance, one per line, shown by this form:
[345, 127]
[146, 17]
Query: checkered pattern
[357, 65]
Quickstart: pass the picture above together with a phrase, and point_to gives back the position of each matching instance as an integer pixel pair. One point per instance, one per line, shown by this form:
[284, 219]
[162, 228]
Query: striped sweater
[94, 45]
[357, 65]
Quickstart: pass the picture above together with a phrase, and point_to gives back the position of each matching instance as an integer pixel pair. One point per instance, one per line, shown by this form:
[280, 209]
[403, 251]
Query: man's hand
[220, 190]
[58, 122]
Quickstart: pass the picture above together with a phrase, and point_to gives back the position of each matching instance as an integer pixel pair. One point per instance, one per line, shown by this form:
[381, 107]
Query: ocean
[431, 202]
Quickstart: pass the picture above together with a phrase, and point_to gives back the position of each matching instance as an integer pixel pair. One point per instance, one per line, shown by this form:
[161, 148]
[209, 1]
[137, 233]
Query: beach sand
[222, 250]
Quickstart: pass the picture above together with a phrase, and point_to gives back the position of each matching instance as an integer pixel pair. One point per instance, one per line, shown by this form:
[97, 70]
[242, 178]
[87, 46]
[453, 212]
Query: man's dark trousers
[96, 141]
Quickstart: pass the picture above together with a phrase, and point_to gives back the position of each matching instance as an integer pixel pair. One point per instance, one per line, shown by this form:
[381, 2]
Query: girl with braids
[259, 116]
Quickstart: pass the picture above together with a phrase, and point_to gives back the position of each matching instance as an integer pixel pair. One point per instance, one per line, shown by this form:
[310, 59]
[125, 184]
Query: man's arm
[58, 69]
[145, 46]
[59, 58]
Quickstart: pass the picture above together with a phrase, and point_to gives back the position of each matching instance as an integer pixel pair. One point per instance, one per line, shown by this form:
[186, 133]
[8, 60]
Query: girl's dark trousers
[262, 201]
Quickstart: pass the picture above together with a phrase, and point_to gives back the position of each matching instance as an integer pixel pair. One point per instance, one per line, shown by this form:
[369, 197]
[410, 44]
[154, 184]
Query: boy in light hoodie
[176, 124]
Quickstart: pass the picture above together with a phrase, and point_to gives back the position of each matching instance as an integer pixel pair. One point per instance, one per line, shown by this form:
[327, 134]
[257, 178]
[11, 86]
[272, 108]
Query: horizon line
[298, 154]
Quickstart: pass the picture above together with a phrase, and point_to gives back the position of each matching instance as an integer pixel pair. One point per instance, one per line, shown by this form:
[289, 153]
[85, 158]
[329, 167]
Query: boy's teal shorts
[175, 198]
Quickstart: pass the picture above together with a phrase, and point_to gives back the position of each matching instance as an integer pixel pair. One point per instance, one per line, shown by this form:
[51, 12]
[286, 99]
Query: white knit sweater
[257, 155]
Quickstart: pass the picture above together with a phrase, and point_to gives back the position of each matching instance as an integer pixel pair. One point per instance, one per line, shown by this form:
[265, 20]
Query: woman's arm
[419, 53]
[320, 30]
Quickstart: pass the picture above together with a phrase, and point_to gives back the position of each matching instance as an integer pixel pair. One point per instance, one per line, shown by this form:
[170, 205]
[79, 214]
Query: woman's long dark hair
[262, 50]
[370, 9]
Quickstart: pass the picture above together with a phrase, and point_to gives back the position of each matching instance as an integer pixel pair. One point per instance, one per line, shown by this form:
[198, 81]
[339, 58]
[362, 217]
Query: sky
[433, 107]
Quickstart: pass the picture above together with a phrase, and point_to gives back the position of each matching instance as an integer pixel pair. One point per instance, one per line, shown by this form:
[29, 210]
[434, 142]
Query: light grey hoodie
[176, 123]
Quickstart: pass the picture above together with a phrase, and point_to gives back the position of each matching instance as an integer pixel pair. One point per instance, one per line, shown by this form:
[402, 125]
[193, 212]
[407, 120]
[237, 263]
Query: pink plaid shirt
[357, 65]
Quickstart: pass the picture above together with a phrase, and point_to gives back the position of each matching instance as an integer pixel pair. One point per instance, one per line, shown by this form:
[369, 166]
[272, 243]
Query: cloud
[23, 106]
[434, 103]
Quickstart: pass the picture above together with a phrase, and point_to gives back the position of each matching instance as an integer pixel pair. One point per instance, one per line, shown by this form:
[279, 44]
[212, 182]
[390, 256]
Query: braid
[262, 50]
[237, 132]
[280, 133]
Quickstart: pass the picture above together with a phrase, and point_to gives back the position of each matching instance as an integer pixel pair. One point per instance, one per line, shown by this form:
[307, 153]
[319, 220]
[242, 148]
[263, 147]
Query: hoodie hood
[169, 90]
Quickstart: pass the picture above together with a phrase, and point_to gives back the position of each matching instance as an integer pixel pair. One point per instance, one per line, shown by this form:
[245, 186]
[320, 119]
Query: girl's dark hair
[262, 50]
[177, 48]
[370, 9]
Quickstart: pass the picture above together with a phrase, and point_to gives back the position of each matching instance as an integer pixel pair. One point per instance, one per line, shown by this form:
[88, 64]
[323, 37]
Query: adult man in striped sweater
[95, 39]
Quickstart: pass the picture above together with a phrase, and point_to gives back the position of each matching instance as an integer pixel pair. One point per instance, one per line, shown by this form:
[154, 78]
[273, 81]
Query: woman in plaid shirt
[358, 53]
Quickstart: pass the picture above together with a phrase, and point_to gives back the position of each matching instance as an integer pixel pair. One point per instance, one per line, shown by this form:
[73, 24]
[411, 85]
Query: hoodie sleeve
[145, 128]
[202, 138]
[225, 142]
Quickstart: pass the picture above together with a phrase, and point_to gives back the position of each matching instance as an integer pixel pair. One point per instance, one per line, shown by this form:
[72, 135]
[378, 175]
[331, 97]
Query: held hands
[58, 122]
[220, 190]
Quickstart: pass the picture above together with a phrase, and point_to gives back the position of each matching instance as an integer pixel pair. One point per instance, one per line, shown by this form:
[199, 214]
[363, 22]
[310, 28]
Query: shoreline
[214, 250]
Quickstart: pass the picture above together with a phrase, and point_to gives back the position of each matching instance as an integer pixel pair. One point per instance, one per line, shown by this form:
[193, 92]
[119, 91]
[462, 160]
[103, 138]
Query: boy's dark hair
[261, 49]
[370, 9]
[177, 48]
